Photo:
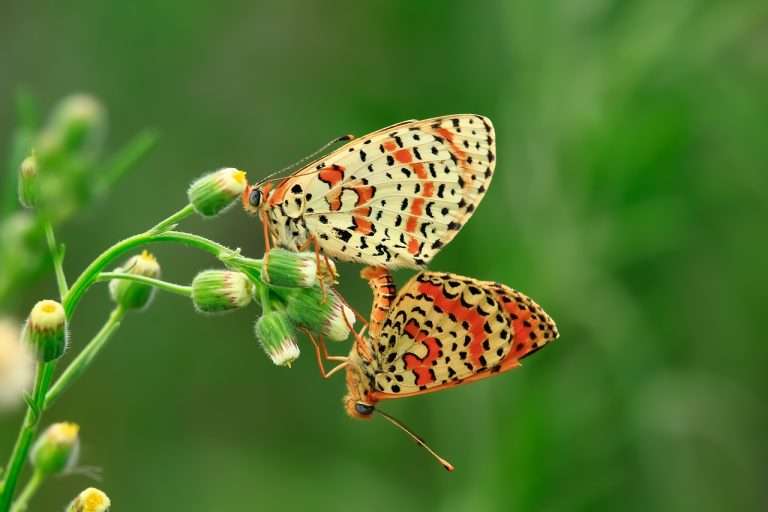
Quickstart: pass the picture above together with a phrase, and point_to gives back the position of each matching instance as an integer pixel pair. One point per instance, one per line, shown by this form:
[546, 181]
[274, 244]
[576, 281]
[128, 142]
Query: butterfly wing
[394, 197]
[446, 329]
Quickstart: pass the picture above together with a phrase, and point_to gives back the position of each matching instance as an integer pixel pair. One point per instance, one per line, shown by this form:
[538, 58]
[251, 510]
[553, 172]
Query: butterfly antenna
[399, 424]
[343, 138]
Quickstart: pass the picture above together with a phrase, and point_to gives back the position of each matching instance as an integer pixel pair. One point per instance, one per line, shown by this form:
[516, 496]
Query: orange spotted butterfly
[392, 198]
[441, 330]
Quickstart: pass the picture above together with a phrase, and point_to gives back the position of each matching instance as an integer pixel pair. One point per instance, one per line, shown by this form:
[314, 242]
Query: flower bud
[290, 269]
[46, 330]
[213, 193]
[77, 127]
[275, 333]
[132, 294]
[28, 181]
[16, 365]
[327, 314]
[214, 291]
[90, 500]
[57, 449]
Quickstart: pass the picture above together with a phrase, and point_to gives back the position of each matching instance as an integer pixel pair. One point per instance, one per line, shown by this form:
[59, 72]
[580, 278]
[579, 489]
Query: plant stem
[21, 503]
[178, 289]
[174, 219]
[91, 273]
[57, 257]
[85, 357]
[27, 432]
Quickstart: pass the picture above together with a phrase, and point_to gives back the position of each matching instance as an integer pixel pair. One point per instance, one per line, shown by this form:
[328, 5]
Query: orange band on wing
[462, 313]
[421, 366]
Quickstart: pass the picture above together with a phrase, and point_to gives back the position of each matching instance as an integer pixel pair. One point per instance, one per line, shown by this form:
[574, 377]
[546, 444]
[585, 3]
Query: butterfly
[441, 330]
[392, 198]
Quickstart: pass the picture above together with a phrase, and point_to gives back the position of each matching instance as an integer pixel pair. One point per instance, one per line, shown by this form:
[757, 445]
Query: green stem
[21, 503]
[85, 357]
[178, 289]
[91, 273]
[27, 432]
[174, 219]
[57, 257]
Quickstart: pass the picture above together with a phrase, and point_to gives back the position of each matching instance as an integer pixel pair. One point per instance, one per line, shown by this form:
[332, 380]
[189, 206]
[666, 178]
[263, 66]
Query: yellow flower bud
[132, 294]
[46, 330]
[57, 449]
[213, 193]
[90, 500]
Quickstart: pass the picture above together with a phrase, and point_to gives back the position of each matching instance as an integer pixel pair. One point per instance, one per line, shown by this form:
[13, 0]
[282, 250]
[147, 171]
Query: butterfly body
[392, 198]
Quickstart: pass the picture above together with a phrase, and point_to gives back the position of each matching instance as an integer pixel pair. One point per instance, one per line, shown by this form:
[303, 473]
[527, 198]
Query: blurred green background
[629, 200]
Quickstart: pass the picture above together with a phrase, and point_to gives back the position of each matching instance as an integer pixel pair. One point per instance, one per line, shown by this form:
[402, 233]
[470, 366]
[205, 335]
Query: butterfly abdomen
[380, 281]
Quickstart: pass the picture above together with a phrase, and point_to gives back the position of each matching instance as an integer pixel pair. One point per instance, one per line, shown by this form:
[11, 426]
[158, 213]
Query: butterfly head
[358, 409]
[255, 197]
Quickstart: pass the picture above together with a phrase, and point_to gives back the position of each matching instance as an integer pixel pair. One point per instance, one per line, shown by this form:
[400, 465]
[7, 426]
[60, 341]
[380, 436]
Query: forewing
[445, 329]
[394, 197]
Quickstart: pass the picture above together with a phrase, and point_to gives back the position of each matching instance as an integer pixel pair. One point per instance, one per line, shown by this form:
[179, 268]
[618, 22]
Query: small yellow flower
[90, 500]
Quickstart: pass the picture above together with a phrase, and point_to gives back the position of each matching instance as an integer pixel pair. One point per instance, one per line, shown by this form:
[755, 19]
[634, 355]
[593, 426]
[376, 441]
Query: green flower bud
[78, 126]
[90, 500]
[275, 333]
[327, 314]
[28, 182]
[17, 365]
[46, 330]
[290, 269]
[57, 449]
[213, 193]
[215, 291]
[132, 294]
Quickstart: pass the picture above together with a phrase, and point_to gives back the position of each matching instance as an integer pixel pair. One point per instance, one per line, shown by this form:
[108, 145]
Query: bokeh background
[629, 200]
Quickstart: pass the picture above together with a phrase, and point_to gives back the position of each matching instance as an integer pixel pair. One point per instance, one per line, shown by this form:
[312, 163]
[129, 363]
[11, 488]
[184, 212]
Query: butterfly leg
[267, 245]
[321, 352]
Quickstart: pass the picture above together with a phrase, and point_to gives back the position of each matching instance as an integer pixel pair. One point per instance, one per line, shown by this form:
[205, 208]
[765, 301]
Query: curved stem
[22, 502]
[91, 273]
[174, 219]
[57, 257]
[178, 289]
[85, 357]
[27, 432]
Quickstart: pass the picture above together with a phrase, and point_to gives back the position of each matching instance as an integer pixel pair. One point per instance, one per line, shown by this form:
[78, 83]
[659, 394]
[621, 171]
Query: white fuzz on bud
[275, 333]
[215, 291]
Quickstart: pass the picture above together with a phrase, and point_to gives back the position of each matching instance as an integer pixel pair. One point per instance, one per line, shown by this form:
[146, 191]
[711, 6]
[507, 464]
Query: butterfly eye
[363, 409]
[254, 198]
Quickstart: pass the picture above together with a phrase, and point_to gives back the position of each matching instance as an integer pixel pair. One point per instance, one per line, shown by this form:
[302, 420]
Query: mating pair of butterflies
[393, 199]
